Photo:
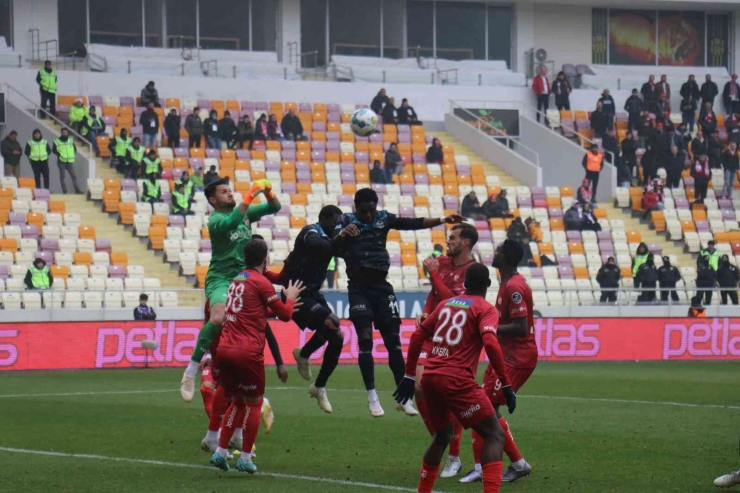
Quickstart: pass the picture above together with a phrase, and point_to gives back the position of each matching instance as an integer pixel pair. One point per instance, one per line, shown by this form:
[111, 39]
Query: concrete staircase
[460, 148]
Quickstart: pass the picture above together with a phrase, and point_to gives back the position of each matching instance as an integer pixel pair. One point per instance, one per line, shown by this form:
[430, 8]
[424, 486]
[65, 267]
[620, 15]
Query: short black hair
[328, 211]
[513, 252]
[467, 232]
[477, 278]
[136, 139]
[210, 190]
[258, 237]
[364, 195]
[255, 252]
[144, 297]
[13, 132]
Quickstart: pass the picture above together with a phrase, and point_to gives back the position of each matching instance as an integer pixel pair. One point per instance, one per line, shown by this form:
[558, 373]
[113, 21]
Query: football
[364, 122]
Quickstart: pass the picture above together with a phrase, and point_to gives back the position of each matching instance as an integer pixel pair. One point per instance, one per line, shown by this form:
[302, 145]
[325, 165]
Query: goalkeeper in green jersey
[230, 228]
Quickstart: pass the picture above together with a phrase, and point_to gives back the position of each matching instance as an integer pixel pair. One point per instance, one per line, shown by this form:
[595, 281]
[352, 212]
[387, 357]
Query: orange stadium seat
[156, 237]
[83, 258]
[59, 272]
[119, 258]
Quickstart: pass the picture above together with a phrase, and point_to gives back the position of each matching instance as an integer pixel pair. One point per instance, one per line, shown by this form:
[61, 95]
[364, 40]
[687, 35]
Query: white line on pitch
[359, 484]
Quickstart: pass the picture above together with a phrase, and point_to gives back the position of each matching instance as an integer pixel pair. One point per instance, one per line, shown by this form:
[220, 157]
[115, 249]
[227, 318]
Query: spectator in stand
[149, 95]
[434, 153]
[707, 120]
[134, 159]
[194, 127]
[647, 278]
[561, 89]
[181, 201]
[680, 137]
[92, 128]
[624, 175]
[151, 165]
[117, 148]
[668, 277]
[172, 129]
[633, 107]
[379, 102]
[664, 106]
[674, 164]
[664, 87]
[629, 152]
[688, 112]
[590, 222]
[210, 176]
[610, 108]
[706, 281]
[149, 121]
[732, 124]
[393, 162]
[471, 208]
[11, 151]
[198, 180]
[610, 145]
[730, 164]
[227, 129]
[659, 142]
[593, 163]
[144, 311]
[711, 254]
[715, 150]
[649, 163]
[500, 206]
[292, 126]
[260, 128]
[534, 230]
[407, 115]
[274, 132]
[640, 257]
[644, 128]
[690, 89]
[46, 78]
[38, 276]
[727, 278]
[573, 217]
[37, 150]
[650, 92]
[211, 131]
[699, 146]
[702, 174]
[152, 191]
[527, 259]
[77, 115]
[541, 87]
[599, 121]
[377, 174]
[608, 278]
[245, 132]
[187, 186]
[584, 193]
[66, 151]
[516, 230]
[651, 201]
[390, 113]
[731, 95]
[709, 91]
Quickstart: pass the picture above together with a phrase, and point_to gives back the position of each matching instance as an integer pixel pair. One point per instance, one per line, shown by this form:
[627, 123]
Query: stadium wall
[565, 32]
[290, 26]
[34, 14]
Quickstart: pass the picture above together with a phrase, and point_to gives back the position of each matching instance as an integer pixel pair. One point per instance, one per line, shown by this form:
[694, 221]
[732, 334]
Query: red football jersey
[456, 327]
[452, 277]
[250, 295]
[515, 301]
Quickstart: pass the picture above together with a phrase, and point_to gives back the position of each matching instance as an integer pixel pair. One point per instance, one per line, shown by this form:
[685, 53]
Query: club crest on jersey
[516, 298]
[457, 303]
[380, 225]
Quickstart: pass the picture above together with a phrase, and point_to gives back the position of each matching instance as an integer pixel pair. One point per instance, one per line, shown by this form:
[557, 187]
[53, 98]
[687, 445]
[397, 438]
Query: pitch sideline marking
[525, 396]
[199, 466]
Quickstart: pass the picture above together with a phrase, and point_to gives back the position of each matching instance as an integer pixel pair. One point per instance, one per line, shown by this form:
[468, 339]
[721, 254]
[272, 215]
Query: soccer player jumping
[459, 328]
[230, 229]
[240, 355]
[516, 335]
[361, 241]
[447, 274]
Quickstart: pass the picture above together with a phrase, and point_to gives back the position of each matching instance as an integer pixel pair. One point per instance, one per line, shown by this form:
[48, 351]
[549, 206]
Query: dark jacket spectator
[38, 276]
[633, 107]
[516, 230]
[731, 95]
[573, 218]
[434, 153]
[379, 102]
[144, 311]
[393, 162]
[647, 278]
[659, 140]
[210, 125]
[727, 274]
[149, 95]
[11, 151]
[470, 206]
[172, 127]
[261, 128]
[702, 174]
[715, 151]
[629, 150]
[561, 89]
[650, 92]
[149, 121]
[497, 206]
[690, 89]
[584, 194]
[406, 114]
[210, 176]
[668, 275]
[590, 223]
[644, 126]
[730, 160]
[709, 91]
[527, 259]
[194, 127]
[599, 121]
[674, 164]
[610, 145]
[390, 113]
[688, 109]
[607, 101]
[609, 275]
[732, 124]
[664, 87]
[649, 163]
[377, 174]
[663, 106]
[699, 146]
[292, 126]
[706, 277]
[244, 132]
[707, 120]
[227, 129]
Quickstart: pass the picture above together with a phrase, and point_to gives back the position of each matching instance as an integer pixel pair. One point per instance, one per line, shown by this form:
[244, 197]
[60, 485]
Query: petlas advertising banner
[90, 345]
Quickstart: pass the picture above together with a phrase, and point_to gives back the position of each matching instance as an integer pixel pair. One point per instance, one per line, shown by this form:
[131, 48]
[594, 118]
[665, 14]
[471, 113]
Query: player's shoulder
[518, 283]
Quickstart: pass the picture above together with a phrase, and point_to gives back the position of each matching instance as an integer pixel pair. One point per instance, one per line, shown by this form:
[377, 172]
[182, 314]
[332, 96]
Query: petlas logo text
[709, 338]
[116, 346]
[566, 339]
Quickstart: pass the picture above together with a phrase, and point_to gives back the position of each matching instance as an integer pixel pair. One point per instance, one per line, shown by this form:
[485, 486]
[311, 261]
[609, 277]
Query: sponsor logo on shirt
[272, 298]
[516, 297]
[423, 354]
[489, 328]
[247, 387]
[473, 409]
[239, 234]
[316, 307]
[357, 307]
[457, 303]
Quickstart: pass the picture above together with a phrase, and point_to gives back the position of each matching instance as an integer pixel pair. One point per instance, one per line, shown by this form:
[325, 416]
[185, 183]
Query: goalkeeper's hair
[365, 195]
[255, 252]
[210, 190]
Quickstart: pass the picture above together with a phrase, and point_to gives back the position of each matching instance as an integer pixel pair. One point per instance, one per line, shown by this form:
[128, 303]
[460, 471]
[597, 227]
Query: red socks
[512, 451]
[219, 403]
[477, 446]
[457, 431]
[428, 476]
[421, 405]
[492, 473]
[233, 419]
[251, 426]
[206, 393]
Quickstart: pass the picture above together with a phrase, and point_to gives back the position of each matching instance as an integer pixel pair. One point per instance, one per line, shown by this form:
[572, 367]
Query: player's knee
[332, 322]
[253, 400]
[365, 345]
[442, 437]
[392, 341]
[336, 339]
[217, 317]
[206, 386]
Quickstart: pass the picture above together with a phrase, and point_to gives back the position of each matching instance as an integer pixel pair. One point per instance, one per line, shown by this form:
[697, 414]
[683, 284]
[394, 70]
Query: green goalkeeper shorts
[217, 290]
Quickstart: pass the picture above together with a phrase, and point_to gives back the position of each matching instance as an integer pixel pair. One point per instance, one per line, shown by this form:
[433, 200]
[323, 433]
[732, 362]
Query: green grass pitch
[584, 427]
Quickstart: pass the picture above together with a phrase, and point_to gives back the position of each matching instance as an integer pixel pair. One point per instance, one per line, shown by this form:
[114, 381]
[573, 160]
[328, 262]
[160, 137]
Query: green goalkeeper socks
[205, 337]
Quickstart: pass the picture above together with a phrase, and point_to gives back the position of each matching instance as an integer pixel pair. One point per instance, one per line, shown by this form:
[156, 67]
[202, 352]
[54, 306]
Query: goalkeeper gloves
[510, 398]
[405, 390]
[259, 187]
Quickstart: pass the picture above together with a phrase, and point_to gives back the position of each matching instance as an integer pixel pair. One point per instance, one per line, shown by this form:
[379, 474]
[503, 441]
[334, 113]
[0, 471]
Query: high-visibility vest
[182, 200]
[38, 150]
[188, 187]
[639, 260]
[152, 189]
[593, 162]
[697, 313]
[77, 114]
[90, 120]
[332, 264]
[151, 166]
[48, 80]
[39, 277]
[66, 150]
[713, 258]
[122, 145]
[136, 154]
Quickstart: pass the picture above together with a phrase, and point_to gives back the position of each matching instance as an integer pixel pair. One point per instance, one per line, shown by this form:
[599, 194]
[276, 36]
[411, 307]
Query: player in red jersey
[447, 274]
[516, 335]
[240, 355]
[459, 328]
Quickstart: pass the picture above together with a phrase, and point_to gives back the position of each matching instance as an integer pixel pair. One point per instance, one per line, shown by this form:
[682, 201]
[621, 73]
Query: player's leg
[390, 328]
[440, 420]
[207, 388]
[361, 314]
[453, 464]
[728, 480]
[519, 467]
[302, 355]
[335, 339]
[492, 453]
[421, 402]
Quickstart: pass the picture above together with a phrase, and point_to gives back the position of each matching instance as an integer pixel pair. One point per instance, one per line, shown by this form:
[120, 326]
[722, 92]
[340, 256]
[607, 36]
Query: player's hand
[351, 230]
[282, 373]
[204, 363]
[453, 219]
[265, 184]
[297, 304]
[405, 390]
[510, 398]
[421, 317]
[431, 264]
[293, 290]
